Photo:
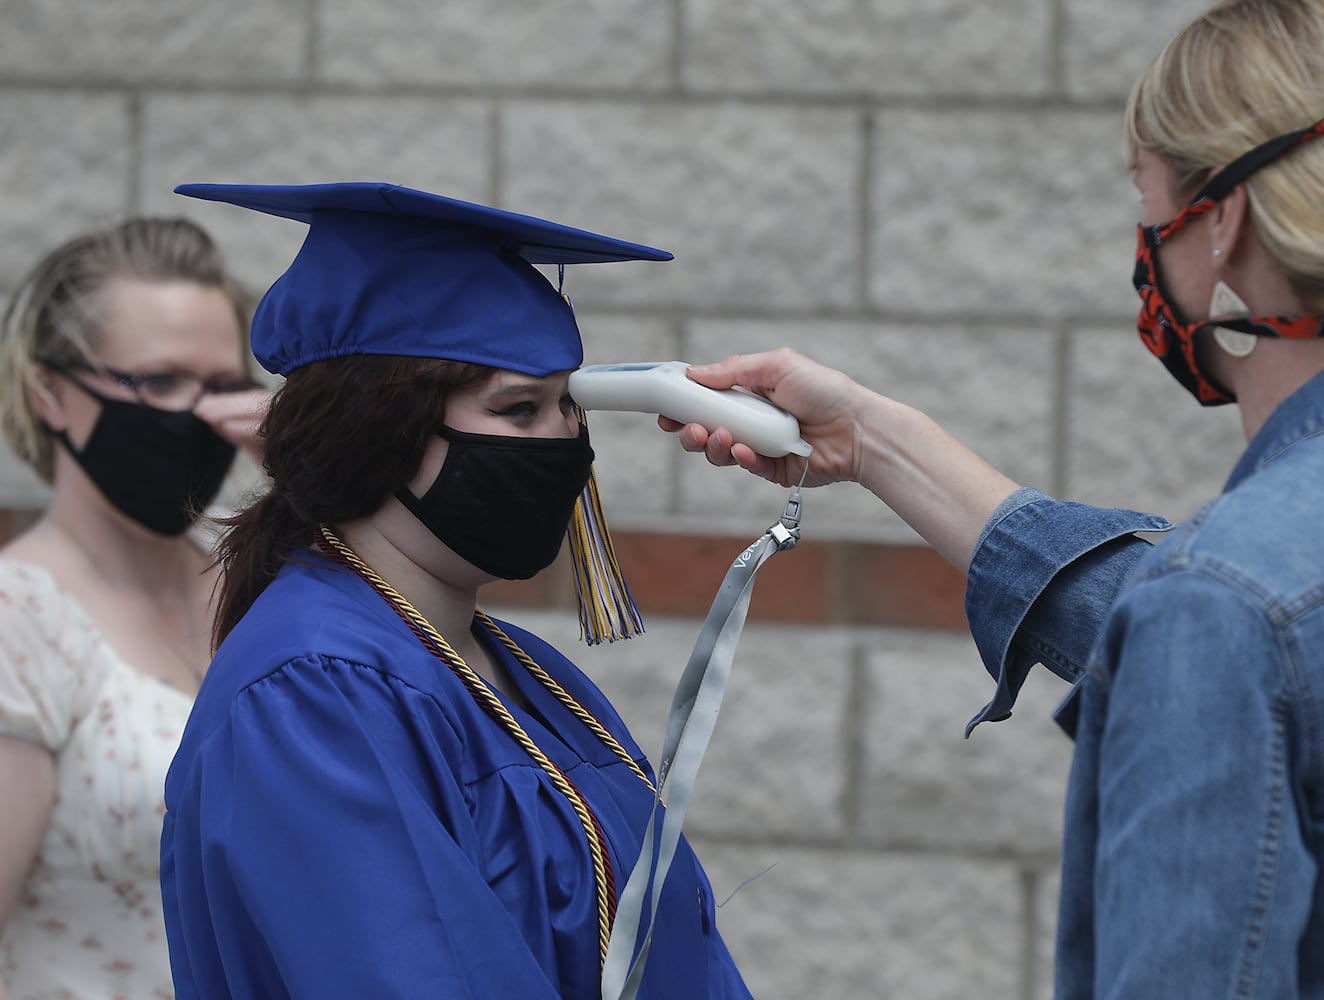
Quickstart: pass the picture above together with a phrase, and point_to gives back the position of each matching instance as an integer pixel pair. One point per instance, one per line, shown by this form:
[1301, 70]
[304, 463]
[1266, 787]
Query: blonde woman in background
[124, 382]
[1193, 849]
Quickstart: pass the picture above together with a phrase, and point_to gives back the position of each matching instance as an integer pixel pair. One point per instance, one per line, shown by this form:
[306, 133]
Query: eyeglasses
[174, 391]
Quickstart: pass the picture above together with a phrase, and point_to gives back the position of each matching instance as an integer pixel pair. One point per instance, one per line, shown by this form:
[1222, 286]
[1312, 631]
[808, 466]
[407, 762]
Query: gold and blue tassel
[606, 608]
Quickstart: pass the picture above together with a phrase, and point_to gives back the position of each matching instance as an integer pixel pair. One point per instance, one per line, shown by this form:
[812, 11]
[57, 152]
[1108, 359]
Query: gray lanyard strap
[694, 710]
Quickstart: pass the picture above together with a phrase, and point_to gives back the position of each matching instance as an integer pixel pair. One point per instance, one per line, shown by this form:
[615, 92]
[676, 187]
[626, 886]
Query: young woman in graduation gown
[382, 792]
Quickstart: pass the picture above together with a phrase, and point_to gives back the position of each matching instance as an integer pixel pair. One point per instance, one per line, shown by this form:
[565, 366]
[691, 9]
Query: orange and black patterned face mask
[1162, 329]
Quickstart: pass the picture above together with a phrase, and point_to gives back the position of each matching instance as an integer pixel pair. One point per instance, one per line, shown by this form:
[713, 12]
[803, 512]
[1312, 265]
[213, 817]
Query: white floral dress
[87, 924]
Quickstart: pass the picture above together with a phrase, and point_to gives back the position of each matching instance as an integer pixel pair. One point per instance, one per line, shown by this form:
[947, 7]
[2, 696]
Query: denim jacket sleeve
[1043, 575]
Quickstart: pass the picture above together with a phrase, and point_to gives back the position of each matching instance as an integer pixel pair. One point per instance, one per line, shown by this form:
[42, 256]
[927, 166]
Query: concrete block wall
[930, 195]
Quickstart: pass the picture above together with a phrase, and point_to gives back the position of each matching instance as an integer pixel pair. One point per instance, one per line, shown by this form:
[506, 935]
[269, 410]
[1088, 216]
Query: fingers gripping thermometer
[663, 387]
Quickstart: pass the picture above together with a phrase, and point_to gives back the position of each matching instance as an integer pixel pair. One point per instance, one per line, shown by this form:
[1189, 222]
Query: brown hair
[1238, 75]
[55, 313]
[340, 437]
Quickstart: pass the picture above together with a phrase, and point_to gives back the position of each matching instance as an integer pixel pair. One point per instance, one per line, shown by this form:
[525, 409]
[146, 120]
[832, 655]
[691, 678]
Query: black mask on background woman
[157, 467]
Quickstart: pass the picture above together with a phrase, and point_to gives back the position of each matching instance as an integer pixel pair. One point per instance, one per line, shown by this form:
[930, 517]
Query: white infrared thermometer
[663, 387]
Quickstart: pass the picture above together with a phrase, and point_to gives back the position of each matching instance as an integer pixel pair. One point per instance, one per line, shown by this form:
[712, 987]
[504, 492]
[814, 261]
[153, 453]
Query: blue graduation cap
[386, 269]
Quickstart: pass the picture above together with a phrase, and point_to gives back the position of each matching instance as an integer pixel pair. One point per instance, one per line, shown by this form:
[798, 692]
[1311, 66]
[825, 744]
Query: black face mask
[156, 467]
[503, 503]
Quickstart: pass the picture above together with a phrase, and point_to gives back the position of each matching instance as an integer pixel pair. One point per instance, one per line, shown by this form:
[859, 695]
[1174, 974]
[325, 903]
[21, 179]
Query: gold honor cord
[566, 699]
[435, 643]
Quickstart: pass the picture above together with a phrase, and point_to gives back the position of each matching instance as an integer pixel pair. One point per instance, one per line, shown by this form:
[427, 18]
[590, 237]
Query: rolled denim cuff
[1024, 546]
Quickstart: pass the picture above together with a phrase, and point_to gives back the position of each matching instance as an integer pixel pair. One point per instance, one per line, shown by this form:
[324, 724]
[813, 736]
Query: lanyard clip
[786, 532]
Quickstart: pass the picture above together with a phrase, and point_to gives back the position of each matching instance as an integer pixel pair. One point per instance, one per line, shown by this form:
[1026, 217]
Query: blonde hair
[53, 315]
[1240, 74]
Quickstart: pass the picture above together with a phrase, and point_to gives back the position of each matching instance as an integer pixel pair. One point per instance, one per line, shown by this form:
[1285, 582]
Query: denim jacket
[1194, 835]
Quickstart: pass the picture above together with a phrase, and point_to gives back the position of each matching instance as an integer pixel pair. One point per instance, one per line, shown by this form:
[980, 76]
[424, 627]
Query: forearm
[937, 485]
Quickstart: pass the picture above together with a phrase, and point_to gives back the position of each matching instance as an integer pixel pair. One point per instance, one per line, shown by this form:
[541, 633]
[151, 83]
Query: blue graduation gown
[344, 820]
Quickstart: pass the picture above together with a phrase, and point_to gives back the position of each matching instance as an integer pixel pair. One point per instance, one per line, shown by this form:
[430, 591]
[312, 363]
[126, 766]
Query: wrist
[884, 432]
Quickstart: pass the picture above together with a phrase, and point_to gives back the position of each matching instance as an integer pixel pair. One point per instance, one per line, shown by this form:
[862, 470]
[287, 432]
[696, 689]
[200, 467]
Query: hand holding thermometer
[663, 387]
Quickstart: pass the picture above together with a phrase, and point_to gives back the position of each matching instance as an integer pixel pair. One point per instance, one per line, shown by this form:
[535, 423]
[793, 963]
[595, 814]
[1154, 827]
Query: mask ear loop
[1218, 186]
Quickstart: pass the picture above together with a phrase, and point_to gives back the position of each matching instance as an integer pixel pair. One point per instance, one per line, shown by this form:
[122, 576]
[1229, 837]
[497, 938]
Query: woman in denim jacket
[1194, 836]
